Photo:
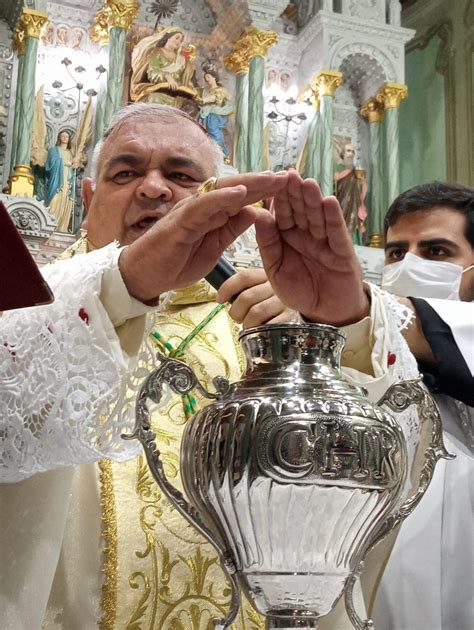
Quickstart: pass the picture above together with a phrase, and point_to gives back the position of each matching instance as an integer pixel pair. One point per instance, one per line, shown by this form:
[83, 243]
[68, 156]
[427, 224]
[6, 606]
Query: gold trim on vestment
[168, 576]
[109, 534]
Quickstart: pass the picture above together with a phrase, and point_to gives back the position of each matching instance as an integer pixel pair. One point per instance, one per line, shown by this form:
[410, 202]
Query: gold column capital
[327, 82]
[31, 22]
[257, 42]
[237, 60]
[18, 42]
[376, 240]
[99, 31]
[373, 110]
[392, 94]
[312, 92]
[122, 12]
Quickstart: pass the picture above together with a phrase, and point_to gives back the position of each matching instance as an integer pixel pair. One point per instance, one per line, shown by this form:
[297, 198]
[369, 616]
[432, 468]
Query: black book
[21, 283]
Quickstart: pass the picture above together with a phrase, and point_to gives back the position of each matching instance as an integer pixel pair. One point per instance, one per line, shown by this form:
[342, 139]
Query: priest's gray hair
[141, 111]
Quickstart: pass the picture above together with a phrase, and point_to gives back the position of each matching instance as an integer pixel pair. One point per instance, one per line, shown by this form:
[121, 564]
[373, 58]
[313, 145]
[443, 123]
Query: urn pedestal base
[278, 622]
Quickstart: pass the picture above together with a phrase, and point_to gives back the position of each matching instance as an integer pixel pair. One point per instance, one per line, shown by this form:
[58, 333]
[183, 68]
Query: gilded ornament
[32, 22]
[328, 81]
[392, 94]
[237, 60]
[258, 42]
[21, 181]
[376, 240]
[313, 95]
[99, 32]
[122, 12]
[160, 556]
[19, 40]
[109, 534]
[373, 110]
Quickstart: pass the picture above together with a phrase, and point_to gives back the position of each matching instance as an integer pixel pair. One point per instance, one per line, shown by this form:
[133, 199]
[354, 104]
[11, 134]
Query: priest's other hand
[309, 257]
[256, 302]
[184, 245]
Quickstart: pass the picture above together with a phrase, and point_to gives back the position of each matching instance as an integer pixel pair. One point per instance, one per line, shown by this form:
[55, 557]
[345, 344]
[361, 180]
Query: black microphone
[221, 272]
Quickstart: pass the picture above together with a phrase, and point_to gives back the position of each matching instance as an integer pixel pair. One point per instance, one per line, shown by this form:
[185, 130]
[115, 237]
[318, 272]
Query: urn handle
[398, 397]
[182, 380]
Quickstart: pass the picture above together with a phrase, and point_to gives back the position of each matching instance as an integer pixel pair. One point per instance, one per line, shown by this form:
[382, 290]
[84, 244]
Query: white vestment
[429, 578]
[61, 367]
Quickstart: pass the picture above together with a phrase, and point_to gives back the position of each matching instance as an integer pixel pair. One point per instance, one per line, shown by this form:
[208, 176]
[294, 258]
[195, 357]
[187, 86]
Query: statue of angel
[57, 187]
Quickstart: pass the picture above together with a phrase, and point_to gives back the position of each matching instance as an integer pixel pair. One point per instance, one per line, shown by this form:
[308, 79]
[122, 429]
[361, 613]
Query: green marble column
[101, 100]
[255, 44]
[326, 179]
[113, 99]
[376, 196]
[313, 163]
[256, 79]
[393, 165]
[27, 102]
[16, 120]
[237, 61]
[28, 32]
[122, 14]
[391, 95]
[373, 110]
[241, 121]
[327, 81]
[310, 161]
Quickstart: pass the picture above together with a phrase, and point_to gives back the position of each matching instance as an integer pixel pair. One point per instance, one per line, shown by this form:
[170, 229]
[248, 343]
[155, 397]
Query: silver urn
[292, 473]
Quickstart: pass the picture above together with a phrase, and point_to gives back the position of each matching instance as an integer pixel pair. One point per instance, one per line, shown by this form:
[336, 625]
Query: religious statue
[272, 78]
[285, 81]
[163, 70]
[215, 106]
[48, 35]
[55, 169]
[77, 37]
[62, 36]
[60, 170]
[351, 191]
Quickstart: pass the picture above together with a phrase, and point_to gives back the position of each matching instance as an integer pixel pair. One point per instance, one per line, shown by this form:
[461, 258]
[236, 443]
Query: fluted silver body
[296, 468]
[292, 473]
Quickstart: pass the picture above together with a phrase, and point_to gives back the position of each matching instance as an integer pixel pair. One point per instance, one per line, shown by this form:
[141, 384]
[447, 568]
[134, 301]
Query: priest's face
[435, 234]
[145, 168]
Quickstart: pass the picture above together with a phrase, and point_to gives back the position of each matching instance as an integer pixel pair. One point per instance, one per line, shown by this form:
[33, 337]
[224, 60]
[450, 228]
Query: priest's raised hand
[186, 243]
[308, 255]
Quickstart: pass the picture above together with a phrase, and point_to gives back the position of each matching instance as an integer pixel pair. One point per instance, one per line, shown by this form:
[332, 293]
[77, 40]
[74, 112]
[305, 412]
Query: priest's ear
[87, 194]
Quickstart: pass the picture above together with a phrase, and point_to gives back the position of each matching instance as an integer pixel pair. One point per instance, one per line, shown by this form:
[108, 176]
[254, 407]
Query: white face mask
[419, 277]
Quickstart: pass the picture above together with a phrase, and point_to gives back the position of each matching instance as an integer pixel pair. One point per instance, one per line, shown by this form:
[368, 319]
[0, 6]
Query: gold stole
[159, 572]
[167, 576]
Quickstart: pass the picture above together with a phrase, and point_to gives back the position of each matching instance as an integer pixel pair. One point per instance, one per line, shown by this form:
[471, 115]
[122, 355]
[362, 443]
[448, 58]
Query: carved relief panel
[8, 65]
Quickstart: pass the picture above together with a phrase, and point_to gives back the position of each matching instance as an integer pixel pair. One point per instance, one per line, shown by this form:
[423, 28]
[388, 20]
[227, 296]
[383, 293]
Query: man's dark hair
[433, 195]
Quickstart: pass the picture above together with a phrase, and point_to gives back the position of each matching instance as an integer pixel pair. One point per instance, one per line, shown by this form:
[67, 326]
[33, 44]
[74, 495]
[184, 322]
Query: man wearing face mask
[429, 256]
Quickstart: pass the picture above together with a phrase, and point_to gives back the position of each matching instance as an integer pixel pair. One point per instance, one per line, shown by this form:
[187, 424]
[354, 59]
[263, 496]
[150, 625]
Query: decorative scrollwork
[400, 394]
[25, 220]
[357, 622]
[181, 379]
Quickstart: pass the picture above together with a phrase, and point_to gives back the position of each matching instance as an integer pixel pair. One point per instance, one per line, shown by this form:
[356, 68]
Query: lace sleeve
[61, 369]
[389, 315]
